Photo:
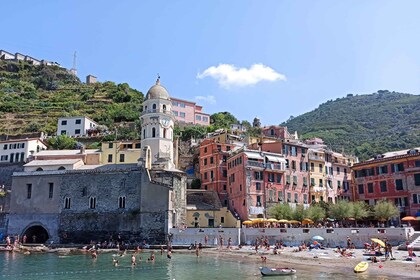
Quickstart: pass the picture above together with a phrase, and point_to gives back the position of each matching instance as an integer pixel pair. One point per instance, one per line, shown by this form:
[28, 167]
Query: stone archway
[36, 234]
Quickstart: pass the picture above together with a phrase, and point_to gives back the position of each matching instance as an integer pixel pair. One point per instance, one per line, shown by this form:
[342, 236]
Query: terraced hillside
[32, 98]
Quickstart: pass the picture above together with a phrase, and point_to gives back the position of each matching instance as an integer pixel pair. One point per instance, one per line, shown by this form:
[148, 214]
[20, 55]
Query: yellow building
[204, 210]
[119, 152]
[318, 189]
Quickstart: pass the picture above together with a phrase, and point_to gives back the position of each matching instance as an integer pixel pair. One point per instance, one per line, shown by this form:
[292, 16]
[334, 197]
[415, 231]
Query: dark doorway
[36, 234]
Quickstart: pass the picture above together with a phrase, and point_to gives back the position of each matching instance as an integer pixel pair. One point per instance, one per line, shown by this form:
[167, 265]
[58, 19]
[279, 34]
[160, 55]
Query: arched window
[164, 133]
[154, 107]
[61, 168]
[164, 108]
[145, 108]
[39, 169]
[92, 202]
[153, 132]
[121, 202]
[67, 202]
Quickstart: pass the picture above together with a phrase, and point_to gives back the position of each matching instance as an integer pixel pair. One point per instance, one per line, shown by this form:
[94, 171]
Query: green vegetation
[62, 142]
[364, 125]
[32, 98]
[341, 211]
[385, 210]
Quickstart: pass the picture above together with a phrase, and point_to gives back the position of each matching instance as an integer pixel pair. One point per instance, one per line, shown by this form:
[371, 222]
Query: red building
[255, 182]
[213, 167]
[394, 176]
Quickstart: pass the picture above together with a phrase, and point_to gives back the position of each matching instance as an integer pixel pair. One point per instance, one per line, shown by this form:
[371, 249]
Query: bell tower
[158, 124]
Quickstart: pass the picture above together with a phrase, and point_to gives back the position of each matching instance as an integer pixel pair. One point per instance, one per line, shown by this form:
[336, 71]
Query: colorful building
[204, 210]
[394, 176]
[213, 167]
[189, 112]
[116, 152]
[255, 182]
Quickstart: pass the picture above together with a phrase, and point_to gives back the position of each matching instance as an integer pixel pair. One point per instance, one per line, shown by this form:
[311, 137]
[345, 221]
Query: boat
[267, 271]
[361, 267]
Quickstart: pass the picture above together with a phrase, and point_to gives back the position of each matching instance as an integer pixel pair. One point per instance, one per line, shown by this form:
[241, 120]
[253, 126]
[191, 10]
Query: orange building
[213, 167]
[394, 176]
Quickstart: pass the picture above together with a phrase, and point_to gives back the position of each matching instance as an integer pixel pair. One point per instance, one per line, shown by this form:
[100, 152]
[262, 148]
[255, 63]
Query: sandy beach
[323, 260]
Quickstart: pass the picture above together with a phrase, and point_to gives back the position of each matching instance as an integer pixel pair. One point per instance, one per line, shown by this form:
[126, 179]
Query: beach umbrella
[307, 221]
[294, 222]
[409, 218]
[247, 222]
[380, 242]
[256, 221]
[318, 238]
[271, 220]
[283, 221]
[330, 219]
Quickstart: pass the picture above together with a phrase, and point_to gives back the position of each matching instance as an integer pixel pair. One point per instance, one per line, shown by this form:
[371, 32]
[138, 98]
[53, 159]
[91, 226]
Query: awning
[253, 155]
[275, 159]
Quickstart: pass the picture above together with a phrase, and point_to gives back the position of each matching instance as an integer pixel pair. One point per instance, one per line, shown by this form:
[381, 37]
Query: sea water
[180, 267]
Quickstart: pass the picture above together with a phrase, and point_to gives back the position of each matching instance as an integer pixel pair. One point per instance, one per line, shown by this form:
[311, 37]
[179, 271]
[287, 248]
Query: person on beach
[206, 240]
[390, 250]
[229, 245]
[348, 242]
[24, 238]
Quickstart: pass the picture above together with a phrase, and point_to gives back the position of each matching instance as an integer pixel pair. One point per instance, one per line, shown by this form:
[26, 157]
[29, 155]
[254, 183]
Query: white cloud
[208, 99]
[229, 75]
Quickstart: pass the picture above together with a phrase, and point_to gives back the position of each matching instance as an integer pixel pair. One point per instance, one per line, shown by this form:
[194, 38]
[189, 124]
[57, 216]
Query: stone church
[94, 202]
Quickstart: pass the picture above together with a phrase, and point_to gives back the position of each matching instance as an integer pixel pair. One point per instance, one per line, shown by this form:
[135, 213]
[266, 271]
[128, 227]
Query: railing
[314, 157]
[269, 166]
[156, 111]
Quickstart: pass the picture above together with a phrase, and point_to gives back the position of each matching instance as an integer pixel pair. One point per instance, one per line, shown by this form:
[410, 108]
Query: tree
[223, 120]
[281, 211]
[315, 213]
[61, 142]
[341, 210]
[299, 213]
[385, 210]
[359, 211]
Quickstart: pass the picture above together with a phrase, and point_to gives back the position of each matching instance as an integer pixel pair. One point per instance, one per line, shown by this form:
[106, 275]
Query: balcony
[267, 166]
[316, 157]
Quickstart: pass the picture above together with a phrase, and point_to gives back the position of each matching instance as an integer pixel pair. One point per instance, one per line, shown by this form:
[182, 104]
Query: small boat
[267, 271]
[361, 267]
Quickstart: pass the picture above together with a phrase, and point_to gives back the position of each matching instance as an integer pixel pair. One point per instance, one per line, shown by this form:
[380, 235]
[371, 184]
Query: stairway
[416, 242]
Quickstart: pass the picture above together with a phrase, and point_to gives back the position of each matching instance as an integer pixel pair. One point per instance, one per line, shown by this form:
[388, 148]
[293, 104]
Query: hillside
[364, 125]
[32, 98]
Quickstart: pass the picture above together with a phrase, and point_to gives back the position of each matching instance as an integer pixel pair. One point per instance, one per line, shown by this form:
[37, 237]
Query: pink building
[255, 182]
[189, 112]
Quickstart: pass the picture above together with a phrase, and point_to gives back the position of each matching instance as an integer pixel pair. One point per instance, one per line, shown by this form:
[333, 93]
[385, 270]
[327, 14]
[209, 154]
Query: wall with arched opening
[35, 233]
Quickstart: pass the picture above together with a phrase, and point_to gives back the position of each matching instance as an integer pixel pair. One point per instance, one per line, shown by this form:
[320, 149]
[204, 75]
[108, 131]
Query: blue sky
[270, 59]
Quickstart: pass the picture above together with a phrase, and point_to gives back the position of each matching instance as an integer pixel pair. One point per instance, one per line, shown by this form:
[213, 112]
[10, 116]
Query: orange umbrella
[409, 218]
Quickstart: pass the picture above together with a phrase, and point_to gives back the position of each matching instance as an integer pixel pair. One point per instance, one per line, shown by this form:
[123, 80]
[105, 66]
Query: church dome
[157, 92]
